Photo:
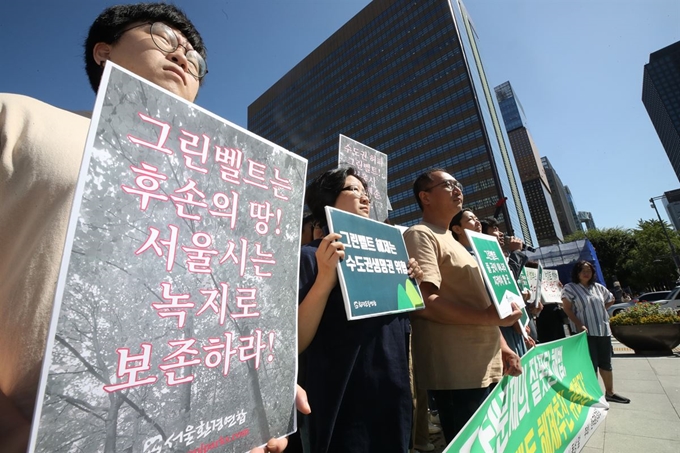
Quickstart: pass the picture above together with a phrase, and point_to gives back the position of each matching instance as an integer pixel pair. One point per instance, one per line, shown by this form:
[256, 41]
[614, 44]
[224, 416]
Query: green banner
[554, 406]
[497, 275]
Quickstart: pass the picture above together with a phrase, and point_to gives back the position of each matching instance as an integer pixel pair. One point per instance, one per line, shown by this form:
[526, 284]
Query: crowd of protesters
[459, 346]
[360, 375]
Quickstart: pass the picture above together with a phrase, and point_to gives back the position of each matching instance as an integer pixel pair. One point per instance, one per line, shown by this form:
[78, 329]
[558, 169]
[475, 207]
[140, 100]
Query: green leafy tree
[651, 262]
[613, 247]
[639, 258]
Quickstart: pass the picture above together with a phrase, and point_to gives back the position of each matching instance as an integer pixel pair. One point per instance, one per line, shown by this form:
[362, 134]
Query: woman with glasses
[357, 372]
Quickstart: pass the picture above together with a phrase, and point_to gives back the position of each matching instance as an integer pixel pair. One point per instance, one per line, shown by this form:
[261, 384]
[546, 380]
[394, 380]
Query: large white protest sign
[175, 317]
[372, 166]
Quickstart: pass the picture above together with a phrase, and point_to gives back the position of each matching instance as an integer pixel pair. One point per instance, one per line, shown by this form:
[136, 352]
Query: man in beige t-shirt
[458, 351]
[41, 149]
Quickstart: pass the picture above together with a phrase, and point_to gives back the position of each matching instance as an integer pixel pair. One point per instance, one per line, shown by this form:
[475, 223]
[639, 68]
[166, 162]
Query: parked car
[653, 296]
[667, 299]
[617, 308]
[671, 301]
[645, 297]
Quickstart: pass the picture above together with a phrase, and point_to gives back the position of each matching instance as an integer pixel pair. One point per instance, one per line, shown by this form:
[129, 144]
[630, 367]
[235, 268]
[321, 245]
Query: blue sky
[575, 65]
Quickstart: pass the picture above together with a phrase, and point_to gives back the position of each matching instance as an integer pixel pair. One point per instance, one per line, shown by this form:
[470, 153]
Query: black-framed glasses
[167, 41]
[449, 185]
[357, 191]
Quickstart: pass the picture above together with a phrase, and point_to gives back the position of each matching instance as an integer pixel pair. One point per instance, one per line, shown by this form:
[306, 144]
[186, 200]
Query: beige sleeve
[41, 148]
[422, 245]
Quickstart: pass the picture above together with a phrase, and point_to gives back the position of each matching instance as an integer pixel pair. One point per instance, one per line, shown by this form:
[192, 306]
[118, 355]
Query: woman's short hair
[325, 188]
[578, 267]
[455, 221]
[107, 28]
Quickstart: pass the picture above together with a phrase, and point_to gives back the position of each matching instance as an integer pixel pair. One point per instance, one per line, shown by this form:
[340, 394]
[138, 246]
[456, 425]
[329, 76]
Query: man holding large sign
[170, 281]
[41, 153]
[456, 341]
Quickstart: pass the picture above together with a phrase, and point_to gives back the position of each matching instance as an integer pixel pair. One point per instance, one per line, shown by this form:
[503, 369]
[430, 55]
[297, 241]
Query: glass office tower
[562, 200]
[531, 172]
[661, 97]
[574, 214]
[587, 219]
[671, 201]
[403, 77]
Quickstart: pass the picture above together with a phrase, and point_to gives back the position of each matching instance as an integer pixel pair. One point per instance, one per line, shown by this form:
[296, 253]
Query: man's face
[494, 231]
[136, 52]
[443, 195]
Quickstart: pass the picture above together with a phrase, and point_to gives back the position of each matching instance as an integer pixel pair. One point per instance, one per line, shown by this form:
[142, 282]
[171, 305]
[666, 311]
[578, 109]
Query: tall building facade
[562, 200]
[671, 201]
[574, 212]
[403, 77]
[586, 218]
[531, 172]
[661, 96]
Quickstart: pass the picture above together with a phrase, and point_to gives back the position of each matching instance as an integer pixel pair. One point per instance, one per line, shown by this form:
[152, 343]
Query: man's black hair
[107, 28]
[489, 222]
[422, 183]
[325, 188]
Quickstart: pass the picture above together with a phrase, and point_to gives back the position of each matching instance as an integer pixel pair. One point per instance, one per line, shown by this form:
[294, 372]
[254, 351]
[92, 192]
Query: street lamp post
[668, 238]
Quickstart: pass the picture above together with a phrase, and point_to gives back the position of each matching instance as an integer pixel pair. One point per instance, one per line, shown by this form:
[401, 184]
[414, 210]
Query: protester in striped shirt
[585, 302]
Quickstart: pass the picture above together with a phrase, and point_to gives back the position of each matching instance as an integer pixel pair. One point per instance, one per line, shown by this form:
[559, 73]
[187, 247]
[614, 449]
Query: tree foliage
[639, 258]
[613, 246]
[652, 260]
